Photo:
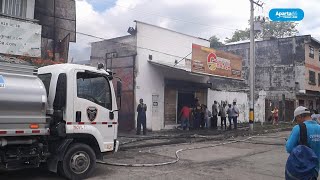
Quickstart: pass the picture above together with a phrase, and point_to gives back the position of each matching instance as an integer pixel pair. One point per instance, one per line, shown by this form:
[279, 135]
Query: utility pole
[252, 62]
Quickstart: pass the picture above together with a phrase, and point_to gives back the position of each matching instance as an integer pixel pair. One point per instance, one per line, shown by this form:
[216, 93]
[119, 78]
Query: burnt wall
[276, 62]
[57, 17]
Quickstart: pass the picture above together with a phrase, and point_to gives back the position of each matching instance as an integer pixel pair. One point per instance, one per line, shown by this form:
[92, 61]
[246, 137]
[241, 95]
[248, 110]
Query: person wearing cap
[303, 115]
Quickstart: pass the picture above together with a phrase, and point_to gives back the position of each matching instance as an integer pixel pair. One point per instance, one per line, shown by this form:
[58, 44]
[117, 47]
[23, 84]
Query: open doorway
[184, 99]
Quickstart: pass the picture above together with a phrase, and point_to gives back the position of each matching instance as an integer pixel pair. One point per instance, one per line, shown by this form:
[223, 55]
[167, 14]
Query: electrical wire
[120, 43]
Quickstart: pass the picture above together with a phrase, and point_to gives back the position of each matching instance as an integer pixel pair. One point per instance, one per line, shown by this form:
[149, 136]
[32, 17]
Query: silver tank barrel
[23, 98]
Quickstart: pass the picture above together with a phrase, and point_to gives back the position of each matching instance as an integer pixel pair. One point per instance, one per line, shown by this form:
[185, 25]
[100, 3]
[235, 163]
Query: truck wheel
[79, 161]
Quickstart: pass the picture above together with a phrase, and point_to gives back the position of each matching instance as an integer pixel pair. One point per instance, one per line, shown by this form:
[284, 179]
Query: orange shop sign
[215, 62]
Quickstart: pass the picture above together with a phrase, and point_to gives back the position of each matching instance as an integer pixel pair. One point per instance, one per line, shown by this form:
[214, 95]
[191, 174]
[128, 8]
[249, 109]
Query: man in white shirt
[235, 114]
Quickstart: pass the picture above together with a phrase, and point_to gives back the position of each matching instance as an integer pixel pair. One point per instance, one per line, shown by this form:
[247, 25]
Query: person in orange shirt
[185, 114]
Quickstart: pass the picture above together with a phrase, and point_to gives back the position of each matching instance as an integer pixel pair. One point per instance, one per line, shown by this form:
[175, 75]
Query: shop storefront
[180, 93]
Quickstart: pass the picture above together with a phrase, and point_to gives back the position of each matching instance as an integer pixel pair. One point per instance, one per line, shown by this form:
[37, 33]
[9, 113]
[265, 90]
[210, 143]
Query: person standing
[235, 114]
[185, 120]
[229, 112]
[203, 116]
[214, 114]
[142, 119]
[206, 116]
[223, 115]
[275, 114]
[197, 110]
[209, 118]
[304, 147]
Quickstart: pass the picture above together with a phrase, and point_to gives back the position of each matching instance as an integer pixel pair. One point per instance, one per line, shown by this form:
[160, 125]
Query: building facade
[36, 29]
[155, 64]
[287, 69]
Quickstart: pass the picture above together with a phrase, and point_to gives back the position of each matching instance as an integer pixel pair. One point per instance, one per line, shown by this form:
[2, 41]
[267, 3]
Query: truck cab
[84, 98]
[63, 116]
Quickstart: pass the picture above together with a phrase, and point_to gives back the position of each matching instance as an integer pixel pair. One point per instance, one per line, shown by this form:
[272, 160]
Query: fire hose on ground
[181, 150]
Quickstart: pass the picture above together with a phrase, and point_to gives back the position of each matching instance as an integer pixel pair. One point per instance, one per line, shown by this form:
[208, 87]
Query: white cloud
[202, 18]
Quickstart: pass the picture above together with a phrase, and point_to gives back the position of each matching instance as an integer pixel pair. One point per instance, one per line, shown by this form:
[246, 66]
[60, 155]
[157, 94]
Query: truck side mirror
[119, 89]
[111, 115]
[119, 92]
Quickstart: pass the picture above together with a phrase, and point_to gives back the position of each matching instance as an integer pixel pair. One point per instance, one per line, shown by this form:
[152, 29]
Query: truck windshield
[95, 88]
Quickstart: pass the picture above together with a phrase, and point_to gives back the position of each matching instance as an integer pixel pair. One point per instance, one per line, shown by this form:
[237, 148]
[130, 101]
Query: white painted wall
[150, 78]
[242, 102]
[260, 108]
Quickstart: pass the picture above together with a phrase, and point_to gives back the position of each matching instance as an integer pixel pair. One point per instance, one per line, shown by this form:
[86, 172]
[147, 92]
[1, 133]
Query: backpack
[302, 163]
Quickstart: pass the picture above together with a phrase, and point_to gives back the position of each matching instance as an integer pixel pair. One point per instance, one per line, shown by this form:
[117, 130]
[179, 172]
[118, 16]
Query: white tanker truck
[61, 116]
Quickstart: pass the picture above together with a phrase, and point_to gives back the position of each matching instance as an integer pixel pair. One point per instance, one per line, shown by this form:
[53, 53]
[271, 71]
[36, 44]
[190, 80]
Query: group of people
[231, 112]
[199, 116]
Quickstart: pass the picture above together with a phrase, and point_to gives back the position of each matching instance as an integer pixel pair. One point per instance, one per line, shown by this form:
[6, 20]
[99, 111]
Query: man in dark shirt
[142, 119]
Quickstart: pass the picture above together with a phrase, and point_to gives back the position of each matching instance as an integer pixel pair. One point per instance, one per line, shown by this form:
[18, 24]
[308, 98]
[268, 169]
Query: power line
[258, 3]
[181, 59]
[121, 43]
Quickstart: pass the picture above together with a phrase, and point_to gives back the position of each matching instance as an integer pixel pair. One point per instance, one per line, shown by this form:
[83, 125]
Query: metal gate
[123, 67]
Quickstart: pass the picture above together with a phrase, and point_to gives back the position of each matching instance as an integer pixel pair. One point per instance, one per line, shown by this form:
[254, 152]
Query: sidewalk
[176, 136]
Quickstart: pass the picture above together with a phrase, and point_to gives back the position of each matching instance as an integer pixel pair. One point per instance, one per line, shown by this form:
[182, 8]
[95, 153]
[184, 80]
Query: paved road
[260, 158]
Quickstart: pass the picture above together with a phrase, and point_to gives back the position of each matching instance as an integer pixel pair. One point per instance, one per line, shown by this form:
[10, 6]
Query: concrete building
[288, 69]
[155, 64]
[36, 29]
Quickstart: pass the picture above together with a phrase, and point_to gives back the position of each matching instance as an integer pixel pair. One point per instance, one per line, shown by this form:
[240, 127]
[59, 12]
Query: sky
[201, 18]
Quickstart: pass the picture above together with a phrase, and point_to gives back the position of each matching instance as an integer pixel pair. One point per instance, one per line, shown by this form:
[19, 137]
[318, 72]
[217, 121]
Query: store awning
[186, 85]
[183, 69]
[179, 72]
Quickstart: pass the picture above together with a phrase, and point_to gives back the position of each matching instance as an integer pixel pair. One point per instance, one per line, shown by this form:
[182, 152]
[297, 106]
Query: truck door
[93, 103]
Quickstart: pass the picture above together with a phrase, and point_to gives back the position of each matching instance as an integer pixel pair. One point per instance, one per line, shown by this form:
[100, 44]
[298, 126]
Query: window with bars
[312, 78]
[16, 8]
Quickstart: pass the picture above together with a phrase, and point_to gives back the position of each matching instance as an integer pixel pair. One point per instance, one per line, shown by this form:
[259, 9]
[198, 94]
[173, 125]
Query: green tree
[269, 29]
[278, 29]
[215, 42]
[239, 35]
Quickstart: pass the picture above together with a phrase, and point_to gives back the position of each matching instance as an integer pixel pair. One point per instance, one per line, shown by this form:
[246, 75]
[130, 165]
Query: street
[258, 158]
